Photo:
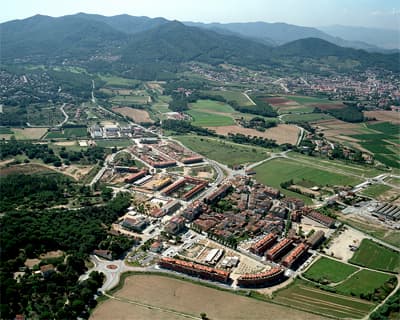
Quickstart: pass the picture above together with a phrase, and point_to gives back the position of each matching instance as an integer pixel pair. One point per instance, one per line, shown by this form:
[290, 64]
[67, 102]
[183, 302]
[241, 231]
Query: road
[248, 98]
[271, 157]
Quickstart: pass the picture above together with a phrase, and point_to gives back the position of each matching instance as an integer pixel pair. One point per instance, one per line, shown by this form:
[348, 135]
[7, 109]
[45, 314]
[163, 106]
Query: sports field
[157, 294]
[223, 151]
[329, 270]
[68, 133]
[306, 297]
[375, 256]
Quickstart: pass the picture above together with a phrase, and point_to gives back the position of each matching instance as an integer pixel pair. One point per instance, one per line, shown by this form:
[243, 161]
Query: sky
[313, 13]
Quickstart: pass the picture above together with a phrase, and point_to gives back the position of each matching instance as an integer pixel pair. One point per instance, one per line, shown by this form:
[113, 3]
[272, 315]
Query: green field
[307, 117]
[80, 132]
[212, 106]
[386, 128]
[364, 282]
[375, 256]
[204, 119]
[375, 190]
[6, 130]
[130, 99]
[224, 152]
[304, 100]
[276, 171]
[237, 96]
[114, 143]
[329, 270]
[113, 81]
[303, 296]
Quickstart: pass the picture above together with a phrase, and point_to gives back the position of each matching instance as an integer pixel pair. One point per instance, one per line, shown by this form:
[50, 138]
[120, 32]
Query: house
[156, 247]
[106, 254]
[135, 224]
[47, 270]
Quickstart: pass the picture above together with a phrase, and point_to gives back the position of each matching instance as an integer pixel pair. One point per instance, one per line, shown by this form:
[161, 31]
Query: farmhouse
[195, 269]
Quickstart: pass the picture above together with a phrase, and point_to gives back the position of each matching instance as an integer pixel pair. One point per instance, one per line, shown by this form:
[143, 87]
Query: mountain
[280, 33]
[126, 23]
[50, 37]
[384, 38]
[132, 43]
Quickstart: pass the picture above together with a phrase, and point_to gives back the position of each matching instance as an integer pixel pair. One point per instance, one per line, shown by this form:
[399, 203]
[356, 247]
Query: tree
[203, 316]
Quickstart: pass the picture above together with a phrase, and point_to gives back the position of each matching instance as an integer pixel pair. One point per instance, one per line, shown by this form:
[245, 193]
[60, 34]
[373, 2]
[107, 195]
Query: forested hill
[124, 40]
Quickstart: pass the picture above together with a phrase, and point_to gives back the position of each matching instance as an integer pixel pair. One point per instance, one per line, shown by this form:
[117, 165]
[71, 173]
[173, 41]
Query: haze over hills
[125, 39]
[385, 38]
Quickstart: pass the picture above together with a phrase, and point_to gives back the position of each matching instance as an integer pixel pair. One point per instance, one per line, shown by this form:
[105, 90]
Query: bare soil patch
[31, 262]
[190, 298]
[136, 115]
[282, 133]
[29, 133]
[65, 143]
[25, 169]
[384, 115]
[52, 254]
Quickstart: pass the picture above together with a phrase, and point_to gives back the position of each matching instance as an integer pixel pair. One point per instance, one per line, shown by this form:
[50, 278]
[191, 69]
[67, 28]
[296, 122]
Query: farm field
[224, 152]
[29, 133]
[364, 282]
[237, 96]
[282, 133]
[276, 171]
[384, 115]
[375, 256]
[329, 270]
[130, 99]
[338, 165]
[306, 297]
[205, 119]
[375, 190]
[189, 298]
[113, 81]
[211, 106]
[137, 115]
[310, 100]
[306, 117]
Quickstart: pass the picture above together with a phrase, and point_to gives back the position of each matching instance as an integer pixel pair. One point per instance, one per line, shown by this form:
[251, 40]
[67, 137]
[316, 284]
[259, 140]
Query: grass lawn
[68, 133]
[302, 295]
[375, 256]
[160, 107]
[204, 119]
[330, 270]
[375, 190]
[223, 152]
[364, 282]
[276, 171]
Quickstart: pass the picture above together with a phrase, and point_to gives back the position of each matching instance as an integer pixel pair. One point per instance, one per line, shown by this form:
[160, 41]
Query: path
[66, 117]
[248, 98]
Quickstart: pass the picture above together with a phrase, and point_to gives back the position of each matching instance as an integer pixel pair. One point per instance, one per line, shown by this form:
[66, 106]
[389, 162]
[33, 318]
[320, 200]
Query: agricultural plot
[375, 256]
[130, 99]
[365, 283]
[310, 100]
[375, 190]
[329, 270]
[306, 297]
[186, 298]
[382, 141]
[113, 81]
[29, 133]
[237, 96]
[137, 115]
[205, 119]
[212, 106]
[224, 152]
[306, 117]
[276, 171]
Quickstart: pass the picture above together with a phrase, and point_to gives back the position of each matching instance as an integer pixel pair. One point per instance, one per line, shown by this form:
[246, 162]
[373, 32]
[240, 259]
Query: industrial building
[389, 211]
